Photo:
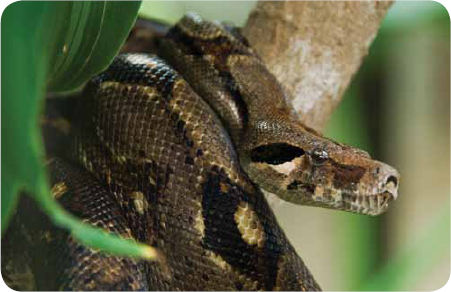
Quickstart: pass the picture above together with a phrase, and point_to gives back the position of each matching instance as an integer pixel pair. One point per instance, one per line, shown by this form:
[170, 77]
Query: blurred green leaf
[61, 44]
[416, 258]
[412, 14]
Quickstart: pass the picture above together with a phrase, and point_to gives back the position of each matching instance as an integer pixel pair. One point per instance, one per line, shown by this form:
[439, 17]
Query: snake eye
[319, 155]
[276, 153]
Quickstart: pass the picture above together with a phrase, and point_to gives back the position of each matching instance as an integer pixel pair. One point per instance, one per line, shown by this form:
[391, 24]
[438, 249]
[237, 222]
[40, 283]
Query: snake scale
[173, 151]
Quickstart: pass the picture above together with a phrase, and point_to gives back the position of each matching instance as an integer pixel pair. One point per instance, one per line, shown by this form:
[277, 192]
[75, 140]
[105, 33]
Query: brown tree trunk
[314, 48]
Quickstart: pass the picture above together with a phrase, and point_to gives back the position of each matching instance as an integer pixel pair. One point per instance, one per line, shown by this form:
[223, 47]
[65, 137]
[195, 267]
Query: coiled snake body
[177, 162]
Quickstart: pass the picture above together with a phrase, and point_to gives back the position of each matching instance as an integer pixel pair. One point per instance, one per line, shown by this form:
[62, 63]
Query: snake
[174, 150]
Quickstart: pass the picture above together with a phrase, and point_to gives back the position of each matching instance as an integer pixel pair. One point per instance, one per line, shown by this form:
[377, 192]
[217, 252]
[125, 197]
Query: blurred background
[398, 109]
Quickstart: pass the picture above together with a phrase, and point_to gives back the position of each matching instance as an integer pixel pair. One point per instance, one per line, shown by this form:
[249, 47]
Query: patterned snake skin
[176, 162]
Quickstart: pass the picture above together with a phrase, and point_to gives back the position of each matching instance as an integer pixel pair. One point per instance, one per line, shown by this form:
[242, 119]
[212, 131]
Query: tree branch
[314, 48]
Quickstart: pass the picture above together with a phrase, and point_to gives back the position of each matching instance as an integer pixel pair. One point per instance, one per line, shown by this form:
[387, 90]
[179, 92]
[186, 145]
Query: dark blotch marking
[180, 125]
[223, 237]
[189, 143]
[346, 176]
[275, 153]
[180, 128]
[308, 189]
[305, 188]
[174, 116]
[189, 160]
[293, 185]
[327, 194]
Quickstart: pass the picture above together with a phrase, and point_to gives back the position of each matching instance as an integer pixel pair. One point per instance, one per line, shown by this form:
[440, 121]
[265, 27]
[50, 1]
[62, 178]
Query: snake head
[300, 166]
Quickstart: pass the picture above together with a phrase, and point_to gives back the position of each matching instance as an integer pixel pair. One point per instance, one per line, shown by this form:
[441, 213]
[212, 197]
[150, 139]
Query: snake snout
[384, 190]
[391, 182]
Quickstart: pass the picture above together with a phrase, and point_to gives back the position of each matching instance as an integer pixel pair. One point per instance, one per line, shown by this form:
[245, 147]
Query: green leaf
[92, 36]
[35, 52]
[23, 68]
[9, 201]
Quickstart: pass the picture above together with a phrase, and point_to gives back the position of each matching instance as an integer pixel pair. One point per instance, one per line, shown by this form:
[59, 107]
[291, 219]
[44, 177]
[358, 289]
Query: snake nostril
[393, 180]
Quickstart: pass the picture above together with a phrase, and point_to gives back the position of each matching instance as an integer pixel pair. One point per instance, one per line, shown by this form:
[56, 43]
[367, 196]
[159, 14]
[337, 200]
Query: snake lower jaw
[365, 204]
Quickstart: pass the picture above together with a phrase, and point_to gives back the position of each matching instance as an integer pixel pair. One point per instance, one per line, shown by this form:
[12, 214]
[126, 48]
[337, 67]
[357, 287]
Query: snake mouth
[369, 204]
[366, 204]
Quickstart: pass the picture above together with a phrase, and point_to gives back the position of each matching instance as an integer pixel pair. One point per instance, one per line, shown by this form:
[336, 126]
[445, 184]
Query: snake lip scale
[173, 151]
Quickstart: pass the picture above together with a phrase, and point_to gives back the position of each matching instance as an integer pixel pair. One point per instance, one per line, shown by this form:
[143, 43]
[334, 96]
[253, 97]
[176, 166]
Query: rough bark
[314, 48]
